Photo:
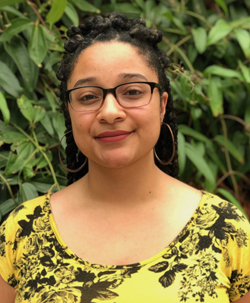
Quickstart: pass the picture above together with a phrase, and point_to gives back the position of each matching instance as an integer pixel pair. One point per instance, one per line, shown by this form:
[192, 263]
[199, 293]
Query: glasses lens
[86, 98]
[134, 94]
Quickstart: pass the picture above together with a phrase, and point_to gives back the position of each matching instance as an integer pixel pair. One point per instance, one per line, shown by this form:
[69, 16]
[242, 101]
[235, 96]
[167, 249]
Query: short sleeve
[8, 251]
[239, 256]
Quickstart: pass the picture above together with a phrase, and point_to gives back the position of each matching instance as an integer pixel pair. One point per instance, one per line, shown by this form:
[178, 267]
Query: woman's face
[108, 65]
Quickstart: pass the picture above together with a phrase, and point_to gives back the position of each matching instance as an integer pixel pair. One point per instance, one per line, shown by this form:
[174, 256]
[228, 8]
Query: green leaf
[71, 12]
[200, 39]
[48, 35]
[242, 22]
[243, 37]
[46, 123]
[42, 187]
[185, 130]
[12, 10]
[180, 25]
[56, 11]
[222, 72]
[51, 100]
[141, 4]
[212, 153]
[226, 143]
[127, 8]
[219, 31]
[17, 26]
[4, 109]
[8, 81]
[7, 206]
[200, 164]
[12, 137]
[32, 114]
[37, 46]
[215, 96]
[223, 5]
[28, 172]
[26, 107]
[42, 184]
[29, 71]
[85, 6]
[39, 113]
[226, 194]
[245, 71]
[29, 191]
[59, 124]
[181, 153]
[9, 2]
[17, 162]
[42, 162]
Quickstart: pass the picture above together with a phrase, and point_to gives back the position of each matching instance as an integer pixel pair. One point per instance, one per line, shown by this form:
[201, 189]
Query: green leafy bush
[209, 45]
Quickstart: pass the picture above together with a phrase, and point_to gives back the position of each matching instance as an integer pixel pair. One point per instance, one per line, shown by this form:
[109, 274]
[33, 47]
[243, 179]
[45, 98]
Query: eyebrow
[83, 81]
[130, 76]
[122, 75]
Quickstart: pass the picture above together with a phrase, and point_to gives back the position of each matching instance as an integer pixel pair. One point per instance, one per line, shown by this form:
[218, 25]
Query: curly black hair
[117, 27]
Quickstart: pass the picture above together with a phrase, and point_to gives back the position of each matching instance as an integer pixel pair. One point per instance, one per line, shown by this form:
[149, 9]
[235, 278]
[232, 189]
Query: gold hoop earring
[69, 169]
[173, 146]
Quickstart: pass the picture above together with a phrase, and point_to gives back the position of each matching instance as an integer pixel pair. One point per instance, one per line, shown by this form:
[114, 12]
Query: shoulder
[25, 212]
[224, 210]
[224, 222]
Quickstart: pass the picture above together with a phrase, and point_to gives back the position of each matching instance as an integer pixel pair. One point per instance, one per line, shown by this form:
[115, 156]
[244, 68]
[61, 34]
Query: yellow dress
[208, 262]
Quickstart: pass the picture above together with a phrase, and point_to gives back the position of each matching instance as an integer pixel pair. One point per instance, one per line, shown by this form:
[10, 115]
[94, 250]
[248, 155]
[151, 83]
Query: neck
[129, 186]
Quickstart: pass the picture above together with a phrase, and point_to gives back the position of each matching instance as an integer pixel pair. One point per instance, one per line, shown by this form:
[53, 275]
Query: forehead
[110, 62]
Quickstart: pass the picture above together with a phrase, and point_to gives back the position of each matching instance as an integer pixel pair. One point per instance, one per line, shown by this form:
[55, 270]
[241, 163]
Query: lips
[113, 136]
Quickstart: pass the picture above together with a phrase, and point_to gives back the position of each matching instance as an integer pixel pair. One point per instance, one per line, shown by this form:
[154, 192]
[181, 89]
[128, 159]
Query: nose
[111, 111]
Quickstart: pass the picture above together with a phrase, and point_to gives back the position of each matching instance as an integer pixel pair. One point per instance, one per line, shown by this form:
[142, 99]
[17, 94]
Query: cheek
[81, 129]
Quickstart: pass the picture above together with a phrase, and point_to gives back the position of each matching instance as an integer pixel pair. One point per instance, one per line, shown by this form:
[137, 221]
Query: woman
[125, 229]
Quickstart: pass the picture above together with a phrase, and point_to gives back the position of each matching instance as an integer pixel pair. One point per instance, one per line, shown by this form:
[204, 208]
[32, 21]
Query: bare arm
[245, 299]
[7, 292]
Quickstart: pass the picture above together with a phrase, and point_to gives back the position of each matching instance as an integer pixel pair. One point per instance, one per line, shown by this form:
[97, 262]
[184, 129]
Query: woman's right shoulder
[24, 210]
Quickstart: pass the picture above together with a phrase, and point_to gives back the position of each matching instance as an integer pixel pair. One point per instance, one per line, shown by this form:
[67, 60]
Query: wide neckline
[67, 250]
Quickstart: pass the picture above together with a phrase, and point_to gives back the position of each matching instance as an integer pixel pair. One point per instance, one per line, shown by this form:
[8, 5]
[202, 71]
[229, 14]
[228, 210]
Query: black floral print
[203, 264]
[207, 241]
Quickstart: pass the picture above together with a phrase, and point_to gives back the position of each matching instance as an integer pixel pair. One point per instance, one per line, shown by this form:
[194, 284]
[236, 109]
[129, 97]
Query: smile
[113, 136]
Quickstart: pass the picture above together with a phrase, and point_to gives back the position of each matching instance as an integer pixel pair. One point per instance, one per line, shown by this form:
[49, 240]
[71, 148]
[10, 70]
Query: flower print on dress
[212, 227]
[191, 263]
[2, 239]
[241, 238]
[241, 283]
[66, 295]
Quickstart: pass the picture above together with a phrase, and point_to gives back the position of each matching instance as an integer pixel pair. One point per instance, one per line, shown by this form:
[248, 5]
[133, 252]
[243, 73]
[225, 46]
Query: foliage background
[209, 45]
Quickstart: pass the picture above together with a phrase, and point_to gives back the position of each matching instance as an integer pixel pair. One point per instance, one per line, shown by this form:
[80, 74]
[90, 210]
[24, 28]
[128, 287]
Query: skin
[124, 200]
[124, 194]
[112, 116]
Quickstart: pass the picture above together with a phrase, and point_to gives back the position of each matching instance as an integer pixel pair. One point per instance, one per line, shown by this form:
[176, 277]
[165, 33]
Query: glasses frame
[152, 85]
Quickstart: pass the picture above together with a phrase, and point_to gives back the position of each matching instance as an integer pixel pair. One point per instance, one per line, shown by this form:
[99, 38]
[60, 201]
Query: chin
[116, 161]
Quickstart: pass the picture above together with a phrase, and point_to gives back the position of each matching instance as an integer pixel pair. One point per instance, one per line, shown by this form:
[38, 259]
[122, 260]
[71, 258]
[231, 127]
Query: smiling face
[114, 136]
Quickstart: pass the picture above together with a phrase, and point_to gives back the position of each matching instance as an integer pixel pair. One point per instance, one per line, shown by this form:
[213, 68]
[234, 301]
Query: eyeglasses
[128, 95]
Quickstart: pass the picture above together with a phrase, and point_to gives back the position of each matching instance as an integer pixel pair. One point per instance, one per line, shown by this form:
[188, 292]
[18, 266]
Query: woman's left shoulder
[224, 209]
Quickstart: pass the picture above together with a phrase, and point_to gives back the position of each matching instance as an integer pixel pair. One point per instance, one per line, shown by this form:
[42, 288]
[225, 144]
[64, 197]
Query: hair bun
[73, 31]
[140, 32]
[71, 45]
[119, 21]
[164, 60]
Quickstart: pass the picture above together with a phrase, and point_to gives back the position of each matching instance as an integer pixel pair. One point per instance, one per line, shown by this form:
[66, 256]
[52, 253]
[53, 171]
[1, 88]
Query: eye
[88, 97]
[133, 92]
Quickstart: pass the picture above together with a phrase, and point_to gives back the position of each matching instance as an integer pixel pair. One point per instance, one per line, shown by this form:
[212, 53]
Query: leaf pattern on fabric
[210, 232]
[45, 266]
[44, 270]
